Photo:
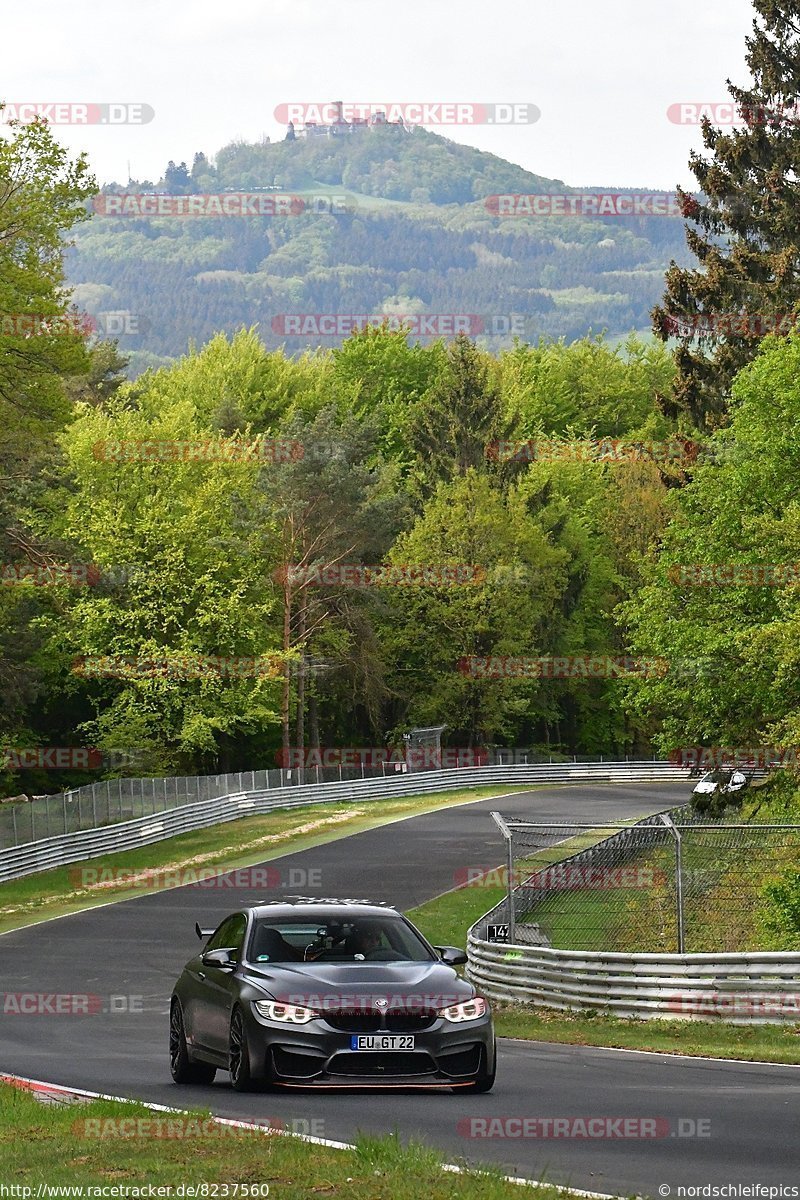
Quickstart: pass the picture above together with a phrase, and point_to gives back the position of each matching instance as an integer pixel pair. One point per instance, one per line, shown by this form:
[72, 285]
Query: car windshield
[335, 940]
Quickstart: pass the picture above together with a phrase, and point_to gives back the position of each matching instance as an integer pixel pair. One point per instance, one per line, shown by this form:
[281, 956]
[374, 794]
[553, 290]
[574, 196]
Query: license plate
[382, 1041]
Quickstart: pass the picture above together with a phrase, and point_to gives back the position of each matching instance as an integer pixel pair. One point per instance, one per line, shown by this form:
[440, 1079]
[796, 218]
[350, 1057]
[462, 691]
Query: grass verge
[55, 1146]
[717, 1039]
[445, 921]
[230, 846]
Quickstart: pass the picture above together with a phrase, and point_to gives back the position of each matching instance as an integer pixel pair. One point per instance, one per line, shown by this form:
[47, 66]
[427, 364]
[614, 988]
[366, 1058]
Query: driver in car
[365, 941]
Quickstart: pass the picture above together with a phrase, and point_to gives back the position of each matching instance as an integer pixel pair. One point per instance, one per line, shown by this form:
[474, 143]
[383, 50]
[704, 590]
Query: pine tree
[744, 230]
[453, 426]
[177, 180]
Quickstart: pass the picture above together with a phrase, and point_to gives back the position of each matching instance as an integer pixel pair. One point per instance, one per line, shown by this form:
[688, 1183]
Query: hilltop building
[340, 127]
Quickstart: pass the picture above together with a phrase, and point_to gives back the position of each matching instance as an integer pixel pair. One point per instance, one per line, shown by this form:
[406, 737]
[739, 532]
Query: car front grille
[406, 1020]
[354, 1022]
[396, 1020]
[382, 1063]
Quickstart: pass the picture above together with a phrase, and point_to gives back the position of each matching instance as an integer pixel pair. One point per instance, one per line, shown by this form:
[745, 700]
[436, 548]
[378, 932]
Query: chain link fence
[672, 883]
[114, 800]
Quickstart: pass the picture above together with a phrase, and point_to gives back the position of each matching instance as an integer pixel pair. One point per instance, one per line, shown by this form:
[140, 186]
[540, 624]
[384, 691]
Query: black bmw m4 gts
[332, 994]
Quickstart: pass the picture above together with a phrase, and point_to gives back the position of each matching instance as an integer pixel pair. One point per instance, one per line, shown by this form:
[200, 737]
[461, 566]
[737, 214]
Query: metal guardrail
[747, 988]
[74, 847]
[114, 801]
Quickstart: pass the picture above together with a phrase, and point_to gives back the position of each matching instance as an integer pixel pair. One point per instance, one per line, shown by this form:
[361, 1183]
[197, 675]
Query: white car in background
[723, 781]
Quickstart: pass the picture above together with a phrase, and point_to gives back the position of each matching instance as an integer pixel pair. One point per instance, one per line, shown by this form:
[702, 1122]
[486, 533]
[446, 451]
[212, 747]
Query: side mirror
[451, 955]
[224, 959]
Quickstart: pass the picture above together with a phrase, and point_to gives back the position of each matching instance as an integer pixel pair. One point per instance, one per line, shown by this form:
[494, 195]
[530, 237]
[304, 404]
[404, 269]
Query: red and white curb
[55, 1093]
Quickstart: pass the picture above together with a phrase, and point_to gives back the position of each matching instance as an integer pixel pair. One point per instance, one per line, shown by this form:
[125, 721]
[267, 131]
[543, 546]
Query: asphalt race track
[134, 950]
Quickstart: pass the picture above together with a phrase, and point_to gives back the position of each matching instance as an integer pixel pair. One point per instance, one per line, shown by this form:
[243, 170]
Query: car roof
[316, 908]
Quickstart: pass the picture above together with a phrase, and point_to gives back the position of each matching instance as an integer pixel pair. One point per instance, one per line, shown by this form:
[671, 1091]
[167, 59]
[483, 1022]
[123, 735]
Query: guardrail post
[506, 832]
[665, 817]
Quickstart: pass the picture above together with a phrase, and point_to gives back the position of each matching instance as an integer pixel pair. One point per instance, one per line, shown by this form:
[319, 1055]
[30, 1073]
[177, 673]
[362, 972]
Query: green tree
[451, 429]
[730, 640]
[335, 503]
[177, 179]
[378, 373]
[516, 577]
[42, 196]
[194, 582]
[745, 233]
[587, 388]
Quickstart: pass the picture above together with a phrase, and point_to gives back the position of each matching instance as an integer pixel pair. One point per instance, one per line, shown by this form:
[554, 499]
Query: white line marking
[34, 1085]
[754, 1062]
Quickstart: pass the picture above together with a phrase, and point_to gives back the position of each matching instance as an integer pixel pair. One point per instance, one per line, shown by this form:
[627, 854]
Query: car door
[214, 987]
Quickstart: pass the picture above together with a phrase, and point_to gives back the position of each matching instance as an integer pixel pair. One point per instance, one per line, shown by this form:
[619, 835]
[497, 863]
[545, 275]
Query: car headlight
[291, 1014]
[468, 1010]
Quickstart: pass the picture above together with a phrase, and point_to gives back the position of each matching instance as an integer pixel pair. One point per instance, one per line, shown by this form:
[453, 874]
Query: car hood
[346, 985]
[704, 788]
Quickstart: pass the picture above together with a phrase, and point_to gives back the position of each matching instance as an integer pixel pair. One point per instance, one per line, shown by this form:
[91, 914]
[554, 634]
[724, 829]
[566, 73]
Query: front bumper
[445, 1054]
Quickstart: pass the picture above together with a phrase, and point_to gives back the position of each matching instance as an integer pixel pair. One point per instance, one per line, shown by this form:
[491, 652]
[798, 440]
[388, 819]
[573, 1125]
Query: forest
[396, 222]
[578, 544]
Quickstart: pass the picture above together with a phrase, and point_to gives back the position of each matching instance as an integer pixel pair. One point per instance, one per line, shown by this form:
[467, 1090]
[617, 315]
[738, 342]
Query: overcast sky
[603, 75]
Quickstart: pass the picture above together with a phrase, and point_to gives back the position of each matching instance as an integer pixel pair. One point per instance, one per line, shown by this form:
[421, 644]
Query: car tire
[239, 1065]
[182, 1068]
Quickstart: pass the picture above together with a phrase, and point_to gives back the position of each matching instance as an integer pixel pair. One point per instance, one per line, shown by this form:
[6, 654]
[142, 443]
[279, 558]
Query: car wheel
[180, 1064]
[239, 1065]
